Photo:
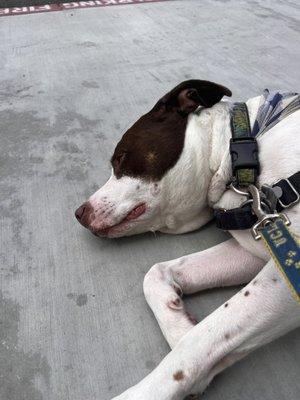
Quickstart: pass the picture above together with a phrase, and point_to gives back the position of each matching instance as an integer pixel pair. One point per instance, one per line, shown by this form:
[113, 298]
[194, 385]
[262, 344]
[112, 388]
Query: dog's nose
[84, 214]
[80, 211]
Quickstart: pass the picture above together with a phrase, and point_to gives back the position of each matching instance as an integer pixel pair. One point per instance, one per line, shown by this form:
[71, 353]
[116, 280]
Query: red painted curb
[68, 6]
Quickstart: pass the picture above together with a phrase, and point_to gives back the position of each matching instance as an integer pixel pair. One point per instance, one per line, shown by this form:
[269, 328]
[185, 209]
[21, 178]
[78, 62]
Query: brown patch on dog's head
[151, 157]
[154, 143]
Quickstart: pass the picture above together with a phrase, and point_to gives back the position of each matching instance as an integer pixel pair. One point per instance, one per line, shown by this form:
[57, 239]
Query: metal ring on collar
[238, 191]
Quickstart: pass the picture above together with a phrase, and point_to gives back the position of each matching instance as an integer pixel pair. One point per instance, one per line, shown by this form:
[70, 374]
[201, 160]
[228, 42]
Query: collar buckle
[244, 159]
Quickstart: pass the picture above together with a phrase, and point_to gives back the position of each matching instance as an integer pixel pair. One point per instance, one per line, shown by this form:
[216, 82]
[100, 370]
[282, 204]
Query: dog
[169, 171]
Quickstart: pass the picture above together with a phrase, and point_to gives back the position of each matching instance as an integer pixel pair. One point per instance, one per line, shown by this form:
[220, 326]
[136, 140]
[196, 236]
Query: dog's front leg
[226, 264]
[258, 314]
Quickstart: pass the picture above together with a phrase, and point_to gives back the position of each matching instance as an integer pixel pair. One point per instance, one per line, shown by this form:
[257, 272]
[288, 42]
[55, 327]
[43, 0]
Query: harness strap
[235, 219]
[243, 147]
[290, 191]
[244, 218]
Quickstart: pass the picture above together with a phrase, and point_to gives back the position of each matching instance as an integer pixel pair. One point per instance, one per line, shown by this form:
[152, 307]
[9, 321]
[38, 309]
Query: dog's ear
[189, 95]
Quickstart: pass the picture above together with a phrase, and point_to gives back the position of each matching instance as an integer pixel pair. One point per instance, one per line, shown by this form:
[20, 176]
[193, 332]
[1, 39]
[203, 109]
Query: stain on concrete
[67, 147]
[87, 43]
[90, 84]
[101, 136]
[76, 174]
[156, 78]
[19, 370]
[14, 269]
[150, 365]
[17, 143]
[68, 367]
[36, 146]
[12, 90]
[110, 387]
[79, 299]
[25, 96]
[13, 220]
[36, 160]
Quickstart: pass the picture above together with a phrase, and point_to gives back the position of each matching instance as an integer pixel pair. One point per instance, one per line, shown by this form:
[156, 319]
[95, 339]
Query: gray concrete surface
[74, 323]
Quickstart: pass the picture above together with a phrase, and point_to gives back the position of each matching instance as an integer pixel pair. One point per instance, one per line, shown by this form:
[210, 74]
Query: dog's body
[175, 194]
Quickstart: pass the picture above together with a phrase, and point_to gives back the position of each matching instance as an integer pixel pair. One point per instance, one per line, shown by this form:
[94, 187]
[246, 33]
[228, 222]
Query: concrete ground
[74, 323]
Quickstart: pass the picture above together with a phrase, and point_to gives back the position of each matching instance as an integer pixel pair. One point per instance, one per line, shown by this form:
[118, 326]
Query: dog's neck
[219, 157]
[212, 130]
[200, 175]
[203, 170]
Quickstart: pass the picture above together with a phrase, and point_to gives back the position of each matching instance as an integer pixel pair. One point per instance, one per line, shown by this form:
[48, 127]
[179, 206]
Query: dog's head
[152, 179]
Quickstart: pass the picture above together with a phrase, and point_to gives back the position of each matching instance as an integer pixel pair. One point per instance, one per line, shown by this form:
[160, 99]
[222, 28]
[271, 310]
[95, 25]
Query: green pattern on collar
[240, 124]
[246, 176]
[241, 129]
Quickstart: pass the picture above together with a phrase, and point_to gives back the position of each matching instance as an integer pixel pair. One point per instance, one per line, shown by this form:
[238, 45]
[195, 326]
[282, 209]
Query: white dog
[170, 171]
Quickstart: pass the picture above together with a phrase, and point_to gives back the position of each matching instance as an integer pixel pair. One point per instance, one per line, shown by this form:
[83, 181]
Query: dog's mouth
[124, 224]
